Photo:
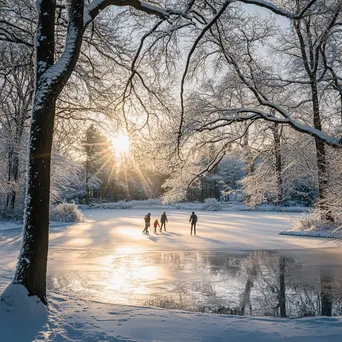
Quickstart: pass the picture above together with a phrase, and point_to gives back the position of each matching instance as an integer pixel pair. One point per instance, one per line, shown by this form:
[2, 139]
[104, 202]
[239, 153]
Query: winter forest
[232, 106]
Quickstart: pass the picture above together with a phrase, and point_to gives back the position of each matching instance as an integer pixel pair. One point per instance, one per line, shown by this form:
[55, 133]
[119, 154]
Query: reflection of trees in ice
[265, 283]
[258, 283]
[251, 266]
[271, 284]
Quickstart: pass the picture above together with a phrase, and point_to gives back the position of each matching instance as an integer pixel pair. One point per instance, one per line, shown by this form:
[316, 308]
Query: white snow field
[90, 248]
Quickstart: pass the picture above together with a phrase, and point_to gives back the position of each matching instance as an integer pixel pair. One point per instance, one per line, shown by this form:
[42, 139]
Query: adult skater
[147, 220]
[163, 220]
[193, 220]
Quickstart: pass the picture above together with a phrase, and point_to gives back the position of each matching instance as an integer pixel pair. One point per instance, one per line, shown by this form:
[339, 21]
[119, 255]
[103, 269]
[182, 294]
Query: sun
[121, 143]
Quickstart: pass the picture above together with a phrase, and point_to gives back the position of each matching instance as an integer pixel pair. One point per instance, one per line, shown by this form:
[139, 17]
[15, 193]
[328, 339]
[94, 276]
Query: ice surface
[74, 319]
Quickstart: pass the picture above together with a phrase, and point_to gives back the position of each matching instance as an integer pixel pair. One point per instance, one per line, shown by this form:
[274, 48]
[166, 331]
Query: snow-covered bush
[314, 222]
[211, 204]
[66, 212]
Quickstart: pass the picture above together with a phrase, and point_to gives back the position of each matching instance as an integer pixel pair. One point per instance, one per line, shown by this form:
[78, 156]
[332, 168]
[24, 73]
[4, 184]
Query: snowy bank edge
[315, 234]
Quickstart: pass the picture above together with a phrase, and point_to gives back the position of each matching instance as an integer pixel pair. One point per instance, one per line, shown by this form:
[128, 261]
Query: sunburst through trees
[112, 172]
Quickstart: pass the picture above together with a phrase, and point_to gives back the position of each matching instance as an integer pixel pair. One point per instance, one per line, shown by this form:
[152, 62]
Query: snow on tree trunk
[32, 263]
[321, 156]
[31, 271]
[50, 80]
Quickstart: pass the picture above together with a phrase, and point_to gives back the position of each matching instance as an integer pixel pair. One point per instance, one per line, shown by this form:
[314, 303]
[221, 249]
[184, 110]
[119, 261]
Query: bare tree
[50, 79]
[16, 87]
[236, 40]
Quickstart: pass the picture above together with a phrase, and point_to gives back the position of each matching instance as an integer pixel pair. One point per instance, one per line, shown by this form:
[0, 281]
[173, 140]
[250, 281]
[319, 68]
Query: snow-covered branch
[277, 10]
[59, 73]
[239, 114]
[96, 6]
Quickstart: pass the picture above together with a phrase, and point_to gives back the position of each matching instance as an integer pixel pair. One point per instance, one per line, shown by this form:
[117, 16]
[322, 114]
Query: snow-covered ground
[92, 246]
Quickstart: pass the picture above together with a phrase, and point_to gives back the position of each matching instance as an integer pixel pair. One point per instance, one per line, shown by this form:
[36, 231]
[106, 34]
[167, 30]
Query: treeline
[84, 171]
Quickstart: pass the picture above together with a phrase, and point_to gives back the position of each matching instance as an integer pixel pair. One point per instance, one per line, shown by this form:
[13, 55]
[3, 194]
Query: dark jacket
[147, 219]
[163, 218]
[193, 218]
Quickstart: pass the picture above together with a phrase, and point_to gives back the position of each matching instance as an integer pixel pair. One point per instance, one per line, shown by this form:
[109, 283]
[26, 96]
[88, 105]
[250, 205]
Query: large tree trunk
[278, 163]
[32, 263]
[321, 157]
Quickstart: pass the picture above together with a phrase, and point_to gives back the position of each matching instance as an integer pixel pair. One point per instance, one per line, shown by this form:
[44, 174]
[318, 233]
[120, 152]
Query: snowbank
[74, 319]
[312, 225]
[316, 233]
[22, 318]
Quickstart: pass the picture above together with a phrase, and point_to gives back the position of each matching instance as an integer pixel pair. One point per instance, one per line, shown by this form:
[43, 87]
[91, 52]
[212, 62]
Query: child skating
[155, 225]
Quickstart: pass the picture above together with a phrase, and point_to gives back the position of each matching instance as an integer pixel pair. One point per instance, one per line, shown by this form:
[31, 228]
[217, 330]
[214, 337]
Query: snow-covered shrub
[211, 204]
[314, 222]
[66, 212]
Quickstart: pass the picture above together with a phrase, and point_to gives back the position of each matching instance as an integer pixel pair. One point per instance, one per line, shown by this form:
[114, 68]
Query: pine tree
[100, 165]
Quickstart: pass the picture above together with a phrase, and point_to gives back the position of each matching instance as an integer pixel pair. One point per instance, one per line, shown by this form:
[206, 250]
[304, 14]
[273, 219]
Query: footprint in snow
[123, 320]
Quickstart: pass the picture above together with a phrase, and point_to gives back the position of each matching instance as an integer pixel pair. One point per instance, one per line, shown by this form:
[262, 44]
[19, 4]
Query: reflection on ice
[284, 284]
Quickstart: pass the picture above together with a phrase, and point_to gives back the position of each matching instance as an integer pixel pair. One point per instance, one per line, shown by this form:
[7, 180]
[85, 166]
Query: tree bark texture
[32, 263]
[278, 163]
[321, 156]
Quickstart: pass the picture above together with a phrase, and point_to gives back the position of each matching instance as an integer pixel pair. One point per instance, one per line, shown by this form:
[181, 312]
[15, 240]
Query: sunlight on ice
[130, 249]
[127, 232]
[79, 242]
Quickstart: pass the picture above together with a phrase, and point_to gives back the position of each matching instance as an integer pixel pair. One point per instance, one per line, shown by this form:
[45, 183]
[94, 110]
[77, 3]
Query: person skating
[193, 220]
[147, 220]
[163, 220]
[155, 225]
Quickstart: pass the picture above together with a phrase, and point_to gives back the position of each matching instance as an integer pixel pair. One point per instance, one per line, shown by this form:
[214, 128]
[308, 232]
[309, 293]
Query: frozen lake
[237, 264]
